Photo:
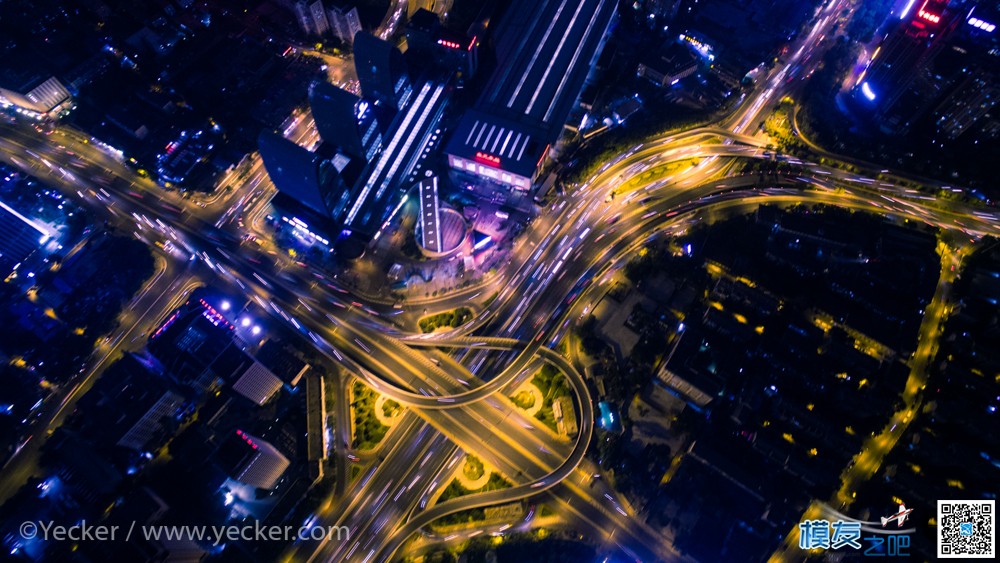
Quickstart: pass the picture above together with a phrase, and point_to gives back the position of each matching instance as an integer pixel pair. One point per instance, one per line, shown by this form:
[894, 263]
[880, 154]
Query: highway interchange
[556, 273]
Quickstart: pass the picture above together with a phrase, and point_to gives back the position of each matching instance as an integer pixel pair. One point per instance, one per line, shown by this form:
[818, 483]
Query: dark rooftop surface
[544, 51]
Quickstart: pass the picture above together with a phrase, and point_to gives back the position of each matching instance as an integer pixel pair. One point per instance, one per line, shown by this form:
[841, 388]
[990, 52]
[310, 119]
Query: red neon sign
[488, 158]
[929, 16]
[246, 438]
[449, 44]
[541, 158]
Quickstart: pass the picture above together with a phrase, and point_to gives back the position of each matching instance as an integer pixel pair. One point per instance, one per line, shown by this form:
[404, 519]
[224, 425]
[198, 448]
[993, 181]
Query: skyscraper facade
[905, 52]
[345, 120]
[381, 71]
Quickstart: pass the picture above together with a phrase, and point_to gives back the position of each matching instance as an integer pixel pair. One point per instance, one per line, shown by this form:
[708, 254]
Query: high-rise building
[381, 71]
[545, 51]
[971, 101]
[345, 120]
[307, 178]
[981, 26]
[905, 52]
[34, 93]
[344, 21]
[430, 215]
[312, 16]
[20, 237]
[346, 193]
[972, 62]
[663, 8]
[428, 40]
[421, 32]
[668, 65]
[253, 461]
[438, 6]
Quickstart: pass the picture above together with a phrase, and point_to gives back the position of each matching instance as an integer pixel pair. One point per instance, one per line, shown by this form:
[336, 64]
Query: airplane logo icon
[900, 516]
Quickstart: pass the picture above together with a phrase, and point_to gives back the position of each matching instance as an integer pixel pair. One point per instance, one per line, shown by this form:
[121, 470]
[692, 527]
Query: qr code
[966, 528]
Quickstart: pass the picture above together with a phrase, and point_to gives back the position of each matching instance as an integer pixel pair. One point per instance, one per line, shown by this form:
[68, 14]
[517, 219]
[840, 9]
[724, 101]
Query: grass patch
[447, 319]
[778, 126]
[473, 468]
[368, 431]
[463, 517]
[523, 399]
[553, 385]
[391, 408]
[455, 489]
[654, 174]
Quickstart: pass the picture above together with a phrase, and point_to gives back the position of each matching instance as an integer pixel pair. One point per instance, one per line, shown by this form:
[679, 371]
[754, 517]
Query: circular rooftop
[454, 231]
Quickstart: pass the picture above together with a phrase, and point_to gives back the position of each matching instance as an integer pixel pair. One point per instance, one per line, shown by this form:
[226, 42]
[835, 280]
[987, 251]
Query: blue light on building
[867, 91]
